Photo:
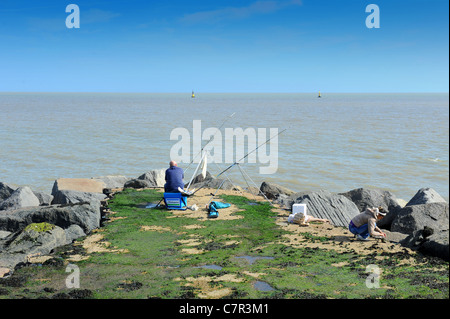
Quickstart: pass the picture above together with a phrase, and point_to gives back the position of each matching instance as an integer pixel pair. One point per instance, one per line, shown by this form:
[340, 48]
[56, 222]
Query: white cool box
[299, 208]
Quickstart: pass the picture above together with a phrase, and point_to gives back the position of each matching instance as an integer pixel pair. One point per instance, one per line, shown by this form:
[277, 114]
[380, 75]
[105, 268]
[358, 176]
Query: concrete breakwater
[33, 224]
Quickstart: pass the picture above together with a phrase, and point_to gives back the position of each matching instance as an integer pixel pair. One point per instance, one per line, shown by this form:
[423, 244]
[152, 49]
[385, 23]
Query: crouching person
[365, 224]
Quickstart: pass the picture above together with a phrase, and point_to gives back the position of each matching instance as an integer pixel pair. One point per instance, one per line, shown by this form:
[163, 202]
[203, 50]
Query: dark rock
[137, 183]
[427, 231]
[199, 178]
[74, 294]
[130, 286]
[215, 183]
[15, 280]
[81, 294]
[5, 191]
[73, 232]
[426, 196]
[273, 191]
[61, 295]
[35, 239]
[21, 197]
[371, 197]
[85, 215]
[11, 260]
[54, 262]
[4, 234]
[73, 197]
[44, 199]
[416, 217]
[284, 201]
[323, 204]
[211, 182]
[49, 289]
[155, 178]
[34, 235]
[436, 244]
[427, 226]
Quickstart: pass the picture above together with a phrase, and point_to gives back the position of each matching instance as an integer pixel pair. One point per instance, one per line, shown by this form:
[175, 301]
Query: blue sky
[224, 46]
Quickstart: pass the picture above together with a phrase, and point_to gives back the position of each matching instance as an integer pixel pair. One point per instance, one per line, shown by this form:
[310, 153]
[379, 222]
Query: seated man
[174, 178]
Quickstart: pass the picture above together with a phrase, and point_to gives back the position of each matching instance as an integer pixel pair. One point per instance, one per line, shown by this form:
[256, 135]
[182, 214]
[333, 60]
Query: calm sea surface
[397, 142]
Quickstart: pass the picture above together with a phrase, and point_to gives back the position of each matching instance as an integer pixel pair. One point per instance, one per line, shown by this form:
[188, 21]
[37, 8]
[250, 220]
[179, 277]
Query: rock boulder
[85, 215]
[199, 179]
[273, 191]
[73, 232]
[21, 197]
[323, 204]
[44, 198]
[215, 183]
[371, 197]
[35, 239]
[137, 183]
[429, 242]
[78, 184]
[73, 197]
[426, 196]
[414, 218]
[5, 191]
[155, 178]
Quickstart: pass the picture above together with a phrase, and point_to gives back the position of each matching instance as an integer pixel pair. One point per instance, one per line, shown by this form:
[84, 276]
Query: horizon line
[231, 92]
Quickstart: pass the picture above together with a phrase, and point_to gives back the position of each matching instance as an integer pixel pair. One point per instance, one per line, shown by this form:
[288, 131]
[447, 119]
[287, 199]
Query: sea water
[339, 142]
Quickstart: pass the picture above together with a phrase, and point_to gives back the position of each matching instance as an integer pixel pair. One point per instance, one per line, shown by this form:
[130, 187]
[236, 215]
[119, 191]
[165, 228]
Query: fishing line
[236, 163]
[210, 139]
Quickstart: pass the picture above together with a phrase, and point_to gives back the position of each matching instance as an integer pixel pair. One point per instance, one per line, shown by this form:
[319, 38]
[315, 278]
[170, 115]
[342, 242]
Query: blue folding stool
[175, 201]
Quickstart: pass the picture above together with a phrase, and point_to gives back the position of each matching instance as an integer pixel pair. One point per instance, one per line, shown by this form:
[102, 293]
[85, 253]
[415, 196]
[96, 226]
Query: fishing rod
[210, 139]
[236, 163]
[226, 169]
